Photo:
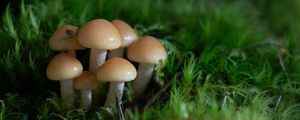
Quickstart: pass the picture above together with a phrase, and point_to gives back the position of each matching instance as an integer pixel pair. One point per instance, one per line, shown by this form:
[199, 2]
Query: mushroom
[128, 36]
[85, 83]
[147, 51]
[64, 68]
[65, 39]
[117, 71]
[99, 35]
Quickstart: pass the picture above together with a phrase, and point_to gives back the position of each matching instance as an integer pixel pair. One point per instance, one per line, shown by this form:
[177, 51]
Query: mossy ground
[233, 59]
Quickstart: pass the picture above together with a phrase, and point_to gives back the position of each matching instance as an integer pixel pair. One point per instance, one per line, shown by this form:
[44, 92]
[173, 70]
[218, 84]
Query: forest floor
[233, 59]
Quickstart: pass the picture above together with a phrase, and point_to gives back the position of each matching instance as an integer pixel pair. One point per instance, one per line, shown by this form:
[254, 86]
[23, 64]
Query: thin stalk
[116, 53]
[67, 92]
[97, 58]
[115, 88]
[86, 98]
[142, 80]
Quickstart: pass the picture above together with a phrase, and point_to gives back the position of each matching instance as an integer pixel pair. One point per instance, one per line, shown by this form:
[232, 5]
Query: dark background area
[13, 4]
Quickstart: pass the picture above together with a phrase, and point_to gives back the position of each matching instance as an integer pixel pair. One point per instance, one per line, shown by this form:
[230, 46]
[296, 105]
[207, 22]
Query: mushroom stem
[97, 58]
[86, 98]
[143, 77]
[115, 88]
[67, 92]
[116, 52]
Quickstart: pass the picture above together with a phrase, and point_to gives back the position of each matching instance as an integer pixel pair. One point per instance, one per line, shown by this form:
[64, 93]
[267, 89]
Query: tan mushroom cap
[116, 70]
[99, 34]
[63, 66]
[128, 35]
[61, 41]
[86, 81]
[147, 50]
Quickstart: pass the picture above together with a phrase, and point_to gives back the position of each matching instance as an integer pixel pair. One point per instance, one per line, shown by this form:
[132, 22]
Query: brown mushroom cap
[116, 70]
[146, 50]
[61, 41]
[63, 66]
[128, 35]
[99, 34]
[86, 81]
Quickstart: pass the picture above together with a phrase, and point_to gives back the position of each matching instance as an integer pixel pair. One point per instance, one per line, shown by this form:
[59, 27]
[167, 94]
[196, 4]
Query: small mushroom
[117, 71]
[64, 68]
[65, 39]
[99, 35]
[86, 82]
[128, 36]
[147, 51]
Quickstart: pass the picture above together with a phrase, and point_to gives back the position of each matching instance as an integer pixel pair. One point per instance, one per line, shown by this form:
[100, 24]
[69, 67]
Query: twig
[281, 60]
[276, 107]
[62, 117]
[269, 41]
[277, 45]
[119, 109]
[153, 98]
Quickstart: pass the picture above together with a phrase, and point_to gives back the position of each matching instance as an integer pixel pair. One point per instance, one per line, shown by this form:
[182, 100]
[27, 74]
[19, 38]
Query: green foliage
[8, 24]
[271, 10]
[223, 58]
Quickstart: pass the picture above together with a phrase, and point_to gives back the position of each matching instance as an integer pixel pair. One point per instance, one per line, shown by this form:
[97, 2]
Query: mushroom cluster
[106, 41]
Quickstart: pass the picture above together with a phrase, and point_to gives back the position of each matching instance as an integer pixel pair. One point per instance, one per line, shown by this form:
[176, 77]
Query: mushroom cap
[63, 66]
[128, 35]
[99, 34]
[116, 70]
[86, 81]
[61, 41]
[146, 50]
